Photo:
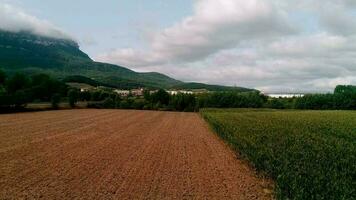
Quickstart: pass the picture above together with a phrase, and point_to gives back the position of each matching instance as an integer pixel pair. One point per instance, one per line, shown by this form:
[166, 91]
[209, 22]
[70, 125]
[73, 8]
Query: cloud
[215, 25]
[337, 17]
[272, 45]
[88, 41]
[14, 19]
[275, 46]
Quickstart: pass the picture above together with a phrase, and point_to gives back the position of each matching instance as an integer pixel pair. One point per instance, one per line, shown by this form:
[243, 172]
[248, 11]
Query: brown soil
[117, 154]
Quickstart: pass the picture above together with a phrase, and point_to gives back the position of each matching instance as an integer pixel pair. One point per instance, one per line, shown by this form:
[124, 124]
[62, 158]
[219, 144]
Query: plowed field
[117, 154]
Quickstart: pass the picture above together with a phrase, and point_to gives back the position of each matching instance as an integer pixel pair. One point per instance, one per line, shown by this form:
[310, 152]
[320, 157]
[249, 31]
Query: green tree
[183, 102]
[108, 103]
[117, 101]
[17, 82]
[2, 77]
[95, 96]
[43, 87]
[20, 98]
[138, 104]
[72, 97]
[56, 98]
[161, 97]
[147, 95]
[125, 104]
[85, 96]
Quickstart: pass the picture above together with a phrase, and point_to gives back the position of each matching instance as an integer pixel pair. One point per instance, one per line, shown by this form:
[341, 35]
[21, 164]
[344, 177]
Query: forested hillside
[33, 54]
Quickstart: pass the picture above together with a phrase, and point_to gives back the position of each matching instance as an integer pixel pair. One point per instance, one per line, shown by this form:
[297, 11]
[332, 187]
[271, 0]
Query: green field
[309, 154]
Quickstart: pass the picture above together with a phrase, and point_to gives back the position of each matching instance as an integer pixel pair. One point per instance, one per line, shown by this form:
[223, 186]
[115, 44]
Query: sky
[271, 45]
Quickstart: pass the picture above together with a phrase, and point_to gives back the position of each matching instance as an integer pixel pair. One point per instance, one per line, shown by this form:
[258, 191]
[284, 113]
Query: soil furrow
[119, 154]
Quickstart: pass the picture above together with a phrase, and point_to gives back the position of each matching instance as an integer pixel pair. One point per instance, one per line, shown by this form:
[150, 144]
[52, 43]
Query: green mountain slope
[61, 58]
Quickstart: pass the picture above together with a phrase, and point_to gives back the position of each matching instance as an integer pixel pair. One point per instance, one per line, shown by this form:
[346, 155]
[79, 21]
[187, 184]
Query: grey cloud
[338, 18]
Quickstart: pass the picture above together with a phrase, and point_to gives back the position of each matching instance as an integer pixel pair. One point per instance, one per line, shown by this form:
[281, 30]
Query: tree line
[343, 98]
[19, 89]
[162, 100]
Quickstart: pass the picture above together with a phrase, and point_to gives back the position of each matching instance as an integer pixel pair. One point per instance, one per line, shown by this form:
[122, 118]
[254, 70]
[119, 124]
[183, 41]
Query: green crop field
[309, 154]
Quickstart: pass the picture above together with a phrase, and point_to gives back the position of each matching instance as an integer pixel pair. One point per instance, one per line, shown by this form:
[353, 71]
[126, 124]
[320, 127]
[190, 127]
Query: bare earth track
[117, 154]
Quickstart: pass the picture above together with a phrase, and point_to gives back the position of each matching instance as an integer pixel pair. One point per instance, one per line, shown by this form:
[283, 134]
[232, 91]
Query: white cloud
[272, 45]
[14, 19]
[215, 25]
[256, 43]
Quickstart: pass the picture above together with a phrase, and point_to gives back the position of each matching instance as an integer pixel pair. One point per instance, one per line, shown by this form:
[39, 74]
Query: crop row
[310, 154]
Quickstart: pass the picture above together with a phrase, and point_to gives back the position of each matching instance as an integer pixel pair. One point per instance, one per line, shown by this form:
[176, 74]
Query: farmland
[119, 154]
[310, 154]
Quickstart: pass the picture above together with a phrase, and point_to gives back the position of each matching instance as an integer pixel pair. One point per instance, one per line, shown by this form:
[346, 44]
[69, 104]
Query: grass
[310, 154]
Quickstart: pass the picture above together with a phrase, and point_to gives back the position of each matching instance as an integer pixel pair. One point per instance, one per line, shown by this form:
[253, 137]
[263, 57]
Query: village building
[153, 91]
[185, 92]
[123, 93]
[137, 92]
[172, 92]
[290, 95]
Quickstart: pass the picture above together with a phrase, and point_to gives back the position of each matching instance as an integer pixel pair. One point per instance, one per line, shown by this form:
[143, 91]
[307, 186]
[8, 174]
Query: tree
[125, 104]
[85, 96]
[183, 102]
[345, 97]
[108, 103]
[117, 101]
[138, 104]
[161, 97]
[95, 96]
[345, 90]
[2, 77]
[276, 104]
[43, 87]
[56, 98]
[147, 95]
[2, 83]
[72, 97]
[18, 82]
[20, 98]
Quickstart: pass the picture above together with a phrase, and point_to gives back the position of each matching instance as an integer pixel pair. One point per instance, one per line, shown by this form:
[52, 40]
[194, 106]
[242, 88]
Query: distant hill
[192, 86]
[29, 53]
[61, 58]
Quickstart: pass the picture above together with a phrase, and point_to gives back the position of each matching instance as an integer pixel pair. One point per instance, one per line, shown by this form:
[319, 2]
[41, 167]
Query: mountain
[30, 53]
[193, 86]
[62, 58]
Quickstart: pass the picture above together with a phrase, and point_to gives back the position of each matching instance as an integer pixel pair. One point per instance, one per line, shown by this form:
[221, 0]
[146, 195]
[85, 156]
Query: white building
[123, 93]
[285, 95]
[137, 92]
[185, 92]
[172, 92]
